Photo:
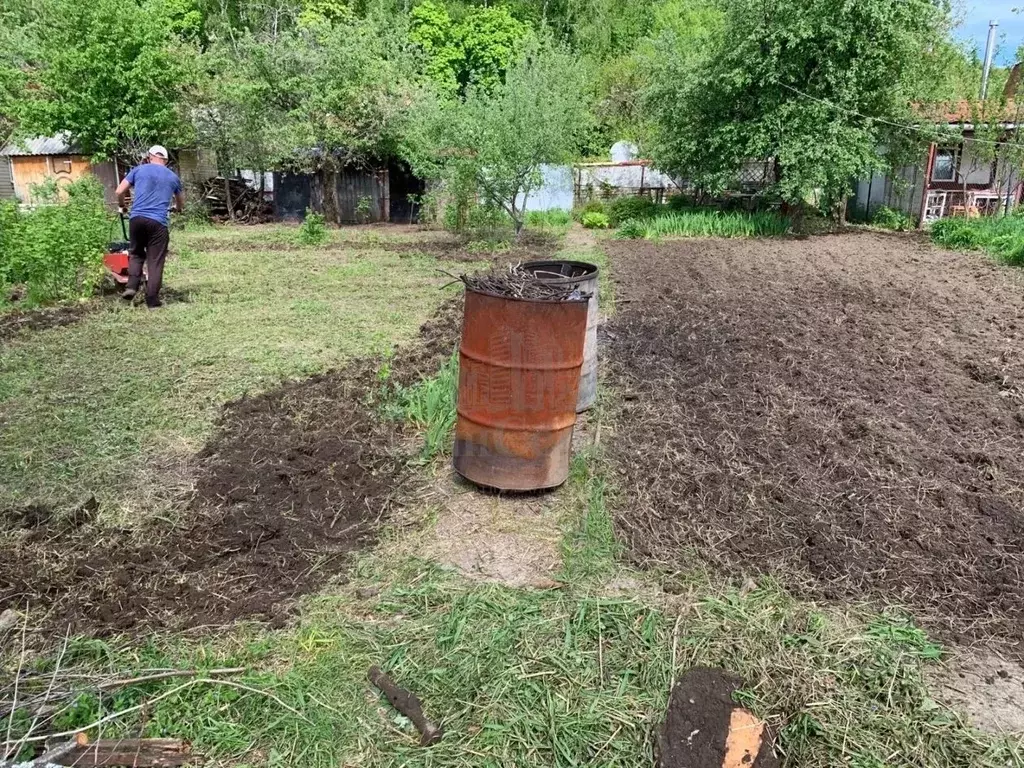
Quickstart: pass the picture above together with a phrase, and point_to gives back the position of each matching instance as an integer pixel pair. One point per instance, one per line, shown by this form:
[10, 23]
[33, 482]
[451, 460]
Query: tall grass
[1001, 236]
[553, 219]
[706, 224]
[430, 407]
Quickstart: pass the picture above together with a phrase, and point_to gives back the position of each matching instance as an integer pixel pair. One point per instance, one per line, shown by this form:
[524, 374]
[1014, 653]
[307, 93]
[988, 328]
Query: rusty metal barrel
[583, 276]
[519, 374]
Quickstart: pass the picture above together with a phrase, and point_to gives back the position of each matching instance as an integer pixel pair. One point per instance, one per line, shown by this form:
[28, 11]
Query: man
[153, 185]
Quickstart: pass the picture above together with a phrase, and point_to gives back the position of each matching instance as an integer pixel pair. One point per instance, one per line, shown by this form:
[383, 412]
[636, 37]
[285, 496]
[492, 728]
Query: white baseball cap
[158, 151]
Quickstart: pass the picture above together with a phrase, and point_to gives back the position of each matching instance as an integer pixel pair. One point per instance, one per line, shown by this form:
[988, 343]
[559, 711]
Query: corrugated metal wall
[291, 195]
[6, 179]
[363, 196]
[107, 174]
[902, 193]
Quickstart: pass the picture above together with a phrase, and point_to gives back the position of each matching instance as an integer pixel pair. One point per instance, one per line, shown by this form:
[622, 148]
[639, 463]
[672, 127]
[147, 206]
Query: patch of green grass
[90, 408]
[1002, 236]
[556, 221]
[589, 550]
[706, 224]
[560, 677]
[430, 407]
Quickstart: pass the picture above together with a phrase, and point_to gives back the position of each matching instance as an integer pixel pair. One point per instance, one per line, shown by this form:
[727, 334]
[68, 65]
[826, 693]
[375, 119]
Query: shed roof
[41, 145]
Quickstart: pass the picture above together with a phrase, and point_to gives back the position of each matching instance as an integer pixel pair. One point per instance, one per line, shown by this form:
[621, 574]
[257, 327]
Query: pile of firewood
[222, 196]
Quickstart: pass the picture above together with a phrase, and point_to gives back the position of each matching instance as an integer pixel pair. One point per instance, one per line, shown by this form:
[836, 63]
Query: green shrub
[632, 230]
[595, 221]
[1009, 248]
[11, 223]
[195, 215]
[56, 250]
[637, 207]
[680, 204]
[314, 229]
[594, 206]
[887, 218]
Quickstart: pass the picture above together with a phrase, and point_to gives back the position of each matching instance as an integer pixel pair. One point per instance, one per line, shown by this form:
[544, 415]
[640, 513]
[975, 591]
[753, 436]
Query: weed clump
[314, 229]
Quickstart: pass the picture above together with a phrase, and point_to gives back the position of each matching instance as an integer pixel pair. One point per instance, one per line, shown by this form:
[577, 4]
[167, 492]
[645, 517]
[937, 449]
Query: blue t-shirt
[153, 187]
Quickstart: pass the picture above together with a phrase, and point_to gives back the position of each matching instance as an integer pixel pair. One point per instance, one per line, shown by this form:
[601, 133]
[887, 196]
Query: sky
[974, 30]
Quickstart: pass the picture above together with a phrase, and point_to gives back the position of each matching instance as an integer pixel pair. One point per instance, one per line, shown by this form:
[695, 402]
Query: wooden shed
[34, 161]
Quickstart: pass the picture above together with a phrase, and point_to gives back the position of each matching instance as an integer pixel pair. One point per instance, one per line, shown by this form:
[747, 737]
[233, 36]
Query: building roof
[41, 145]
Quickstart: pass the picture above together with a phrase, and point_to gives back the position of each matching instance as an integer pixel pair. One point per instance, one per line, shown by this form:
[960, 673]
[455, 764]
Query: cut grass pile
[705, 224]
[558, 677]
[117, 404]
[1002, 236]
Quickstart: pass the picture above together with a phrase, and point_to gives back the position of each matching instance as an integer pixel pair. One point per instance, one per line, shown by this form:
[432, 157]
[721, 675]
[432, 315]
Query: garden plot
[217, 459]
[847, 409]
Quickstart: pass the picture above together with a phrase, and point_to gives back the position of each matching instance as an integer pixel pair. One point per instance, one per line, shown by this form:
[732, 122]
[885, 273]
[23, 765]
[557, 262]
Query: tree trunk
[517, 216]
[330, 191]
[227, 197]
[839, 212]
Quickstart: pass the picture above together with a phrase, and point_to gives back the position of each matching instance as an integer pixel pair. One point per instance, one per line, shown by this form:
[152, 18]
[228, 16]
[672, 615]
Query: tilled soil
[846, 409]
[292, 482]
[16, 321]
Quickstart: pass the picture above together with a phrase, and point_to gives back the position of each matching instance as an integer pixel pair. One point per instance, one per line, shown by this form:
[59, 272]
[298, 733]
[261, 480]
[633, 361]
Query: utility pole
[989, 52]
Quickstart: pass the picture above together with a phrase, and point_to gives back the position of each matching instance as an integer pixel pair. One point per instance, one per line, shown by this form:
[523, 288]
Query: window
[944, 168]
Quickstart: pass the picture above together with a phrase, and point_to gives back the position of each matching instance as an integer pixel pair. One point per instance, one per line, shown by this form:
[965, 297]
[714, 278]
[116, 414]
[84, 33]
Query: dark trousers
[149, 241]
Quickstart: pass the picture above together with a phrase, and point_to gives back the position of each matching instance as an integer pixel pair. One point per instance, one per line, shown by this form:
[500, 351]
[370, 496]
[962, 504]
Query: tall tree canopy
[112, 74]
[808, 84]
[473, 51]
[496, 139]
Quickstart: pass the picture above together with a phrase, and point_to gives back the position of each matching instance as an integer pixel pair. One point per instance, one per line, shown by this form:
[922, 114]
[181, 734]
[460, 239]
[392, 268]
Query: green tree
[112, 76]
[474, 51]
[808, 85]
[496, 140]
[19, 36]
[315, 98]
[618, 83]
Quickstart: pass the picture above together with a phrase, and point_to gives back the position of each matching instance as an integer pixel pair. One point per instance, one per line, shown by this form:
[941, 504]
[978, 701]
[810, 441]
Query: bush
[488, 220]
[314, 229]
[595, 221]
[680, 204]
[56, 250]
[1009, 248]
[195, 215]
[887, 218]
[637, 207]
[594, 206]
[632, 230]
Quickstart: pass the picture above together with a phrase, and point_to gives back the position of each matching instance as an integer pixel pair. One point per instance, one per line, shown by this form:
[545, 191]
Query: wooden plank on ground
[130, 753]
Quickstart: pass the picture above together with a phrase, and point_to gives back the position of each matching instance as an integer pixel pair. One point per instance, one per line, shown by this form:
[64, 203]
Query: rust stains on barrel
[583, 276]
[519, 371]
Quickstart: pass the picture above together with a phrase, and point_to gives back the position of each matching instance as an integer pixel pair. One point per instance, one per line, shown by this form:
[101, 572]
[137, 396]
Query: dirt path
[846, 408]
[510, 539]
